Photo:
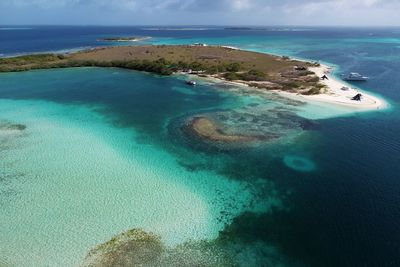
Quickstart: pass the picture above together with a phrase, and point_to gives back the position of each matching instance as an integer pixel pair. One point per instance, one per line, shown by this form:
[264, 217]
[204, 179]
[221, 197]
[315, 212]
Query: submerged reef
[132, 248]
[8, 126]
[209, 129]
[8, 131]
[234, 247]
[139, 248]
[252, 125]
[9, 134]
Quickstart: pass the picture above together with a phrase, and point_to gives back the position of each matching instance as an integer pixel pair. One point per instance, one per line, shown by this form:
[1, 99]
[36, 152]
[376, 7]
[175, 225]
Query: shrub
[212, 70]
[196, 66]
[233, 67]
[254, 75]
[313, 91]
[231, 76]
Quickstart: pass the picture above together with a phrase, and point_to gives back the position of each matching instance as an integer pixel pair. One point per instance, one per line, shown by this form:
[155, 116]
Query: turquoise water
[106, 150]
[80, 173]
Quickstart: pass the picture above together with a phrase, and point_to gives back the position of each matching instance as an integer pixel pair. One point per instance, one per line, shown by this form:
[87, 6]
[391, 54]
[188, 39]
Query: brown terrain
[209, 56]
[259, 70]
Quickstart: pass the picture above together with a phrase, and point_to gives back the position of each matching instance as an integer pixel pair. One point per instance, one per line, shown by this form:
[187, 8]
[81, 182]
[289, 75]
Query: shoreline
[333, 94]
[291, 78]
[336, 96]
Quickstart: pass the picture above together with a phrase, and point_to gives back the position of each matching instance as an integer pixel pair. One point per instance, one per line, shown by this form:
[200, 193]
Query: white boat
[354, 76]
[191, 82]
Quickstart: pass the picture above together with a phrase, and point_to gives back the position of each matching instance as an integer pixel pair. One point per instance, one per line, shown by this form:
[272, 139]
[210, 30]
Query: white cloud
[304, 12]
[221, 4]
[241, 4]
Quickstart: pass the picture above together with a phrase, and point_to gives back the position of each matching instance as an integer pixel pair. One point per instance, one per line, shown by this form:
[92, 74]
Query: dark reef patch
[208, 129]
[283, 230]
[9, 132]
[8, 126]
[139, 248]
[244, 128]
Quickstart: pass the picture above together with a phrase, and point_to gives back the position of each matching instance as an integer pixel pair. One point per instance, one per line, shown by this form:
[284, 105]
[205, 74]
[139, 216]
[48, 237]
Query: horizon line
[206, 25]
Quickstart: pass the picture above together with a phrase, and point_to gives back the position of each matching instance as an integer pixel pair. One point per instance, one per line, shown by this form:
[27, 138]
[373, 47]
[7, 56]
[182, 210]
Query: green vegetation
[232, 76]
[260, 70]
[290, 85]
[254, 75]
[49, 61]
[315, 90]
[312, 79]
[160, 66]
[31, 59]
[251, 75]
[304, 73]
[233, 67]
[28, 62]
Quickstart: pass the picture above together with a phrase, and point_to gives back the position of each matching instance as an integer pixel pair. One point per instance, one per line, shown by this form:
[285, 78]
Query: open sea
[88, 153]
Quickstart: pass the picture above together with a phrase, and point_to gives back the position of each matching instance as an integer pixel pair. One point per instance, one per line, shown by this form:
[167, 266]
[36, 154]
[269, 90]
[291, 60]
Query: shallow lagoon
[101, 154]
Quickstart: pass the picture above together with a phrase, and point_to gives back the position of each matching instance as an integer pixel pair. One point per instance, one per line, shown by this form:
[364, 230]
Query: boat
[354, 76]
[199, 44]
[191, 82]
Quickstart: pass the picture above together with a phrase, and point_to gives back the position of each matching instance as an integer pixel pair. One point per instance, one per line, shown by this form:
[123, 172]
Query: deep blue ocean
[346, 212]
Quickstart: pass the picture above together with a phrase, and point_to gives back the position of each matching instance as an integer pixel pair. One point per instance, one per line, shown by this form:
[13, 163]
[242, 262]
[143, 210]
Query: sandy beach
[334, 94]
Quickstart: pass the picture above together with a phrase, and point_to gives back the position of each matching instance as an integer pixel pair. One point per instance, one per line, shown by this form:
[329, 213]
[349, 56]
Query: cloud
[310, 12]
[203, 4]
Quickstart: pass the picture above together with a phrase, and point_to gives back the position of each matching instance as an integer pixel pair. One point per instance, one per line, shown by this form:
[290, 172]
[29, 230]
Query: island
[290, 77]
[125, 39]
[259, 70]
[239, 28]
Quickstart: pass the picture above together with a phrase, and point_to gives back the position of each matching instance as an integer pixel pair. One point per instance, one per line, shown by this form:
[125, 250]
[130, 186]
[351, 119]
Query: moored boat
[354, 76]
[191, 82]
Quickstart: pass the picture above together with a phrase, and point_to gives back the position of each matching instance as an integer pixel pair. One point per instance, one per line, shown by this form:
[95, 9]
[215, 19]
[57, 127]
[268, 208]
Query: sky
[201, 12]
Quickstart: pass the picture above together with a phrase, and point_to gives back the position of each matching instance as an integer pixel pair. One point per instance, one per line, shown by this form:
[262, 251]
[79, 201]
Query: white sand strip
[335, 95]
